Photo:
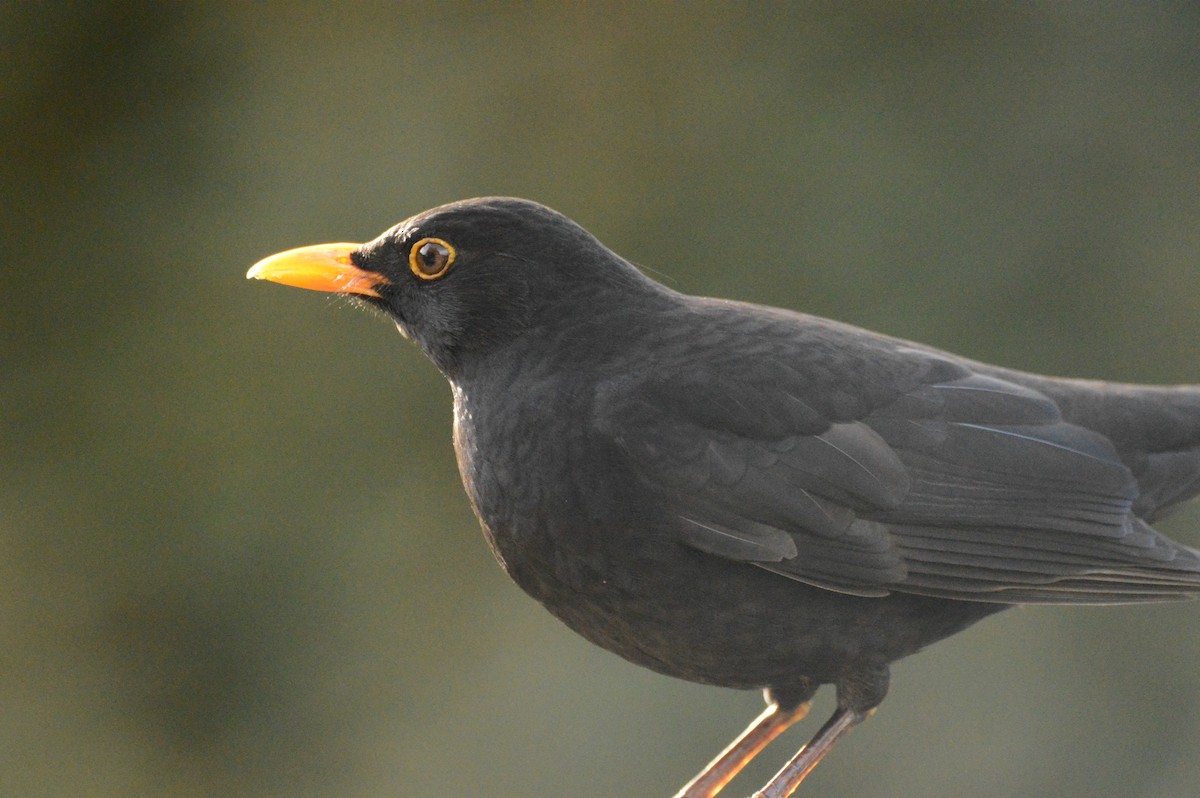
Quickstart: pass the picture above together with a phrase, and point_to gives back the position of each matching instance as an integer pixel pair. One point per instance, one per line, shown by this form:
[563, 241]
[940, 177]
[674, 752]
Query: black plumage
[750, 497]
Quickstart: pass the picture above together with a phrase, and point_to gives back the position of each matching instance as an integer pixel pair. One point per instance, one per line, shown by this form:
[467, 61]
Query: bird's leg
[788, 779]
[765, 728]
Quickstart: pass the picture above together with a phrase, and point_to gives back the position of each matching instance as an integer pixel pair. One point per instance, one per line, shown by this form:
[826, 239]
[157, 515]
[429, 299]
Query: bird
[752, 497]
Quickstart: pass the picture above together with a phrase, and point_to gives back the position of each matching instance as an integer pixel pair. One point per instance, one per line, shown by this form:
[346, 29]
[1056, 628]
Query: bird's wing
[941, 481]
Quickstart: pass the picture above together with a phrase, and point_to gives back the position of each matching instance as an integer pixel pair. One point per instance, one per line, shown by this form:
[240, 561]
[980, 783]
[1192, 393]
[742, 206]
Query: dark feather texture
[956, 483]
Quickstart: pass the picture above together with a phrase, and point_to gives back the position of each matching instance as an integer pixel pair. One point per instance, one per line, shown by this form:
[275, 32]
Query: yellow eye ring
[430, 258]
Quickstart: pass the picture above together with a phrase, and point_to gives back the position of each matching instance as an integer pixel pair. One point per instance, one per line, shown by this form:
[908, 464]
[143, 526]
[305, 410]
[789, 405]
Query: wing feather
[953, 483]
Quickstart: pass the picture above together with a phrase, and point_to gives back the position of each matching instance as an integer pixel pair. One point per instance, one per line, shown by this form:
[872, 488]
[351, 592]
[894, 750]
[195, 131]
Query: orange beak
[321, 267]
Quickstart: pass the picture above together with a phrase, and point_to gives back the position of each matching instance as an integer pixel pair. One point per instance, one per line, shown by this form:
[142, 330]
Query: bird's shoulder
[766, 373]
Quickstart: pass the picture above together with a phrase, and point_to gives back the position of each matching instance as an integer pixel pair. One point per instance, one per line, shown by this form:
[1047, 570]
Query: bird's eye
[430, 258]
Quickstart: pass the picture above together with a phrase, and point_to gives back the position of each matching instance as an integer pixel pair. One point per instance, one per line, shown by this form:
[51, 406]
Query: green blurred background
[235, 558]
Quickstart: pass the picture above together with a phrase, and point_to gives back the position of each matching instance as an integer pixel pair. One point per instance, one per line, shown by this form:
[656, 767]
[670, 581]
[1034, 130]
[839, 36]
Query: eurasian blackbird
[754, 498]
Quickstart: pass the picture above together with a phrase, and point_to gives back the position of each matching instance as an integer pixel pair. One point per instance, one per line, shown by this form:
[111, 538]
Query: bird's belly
[715, 622]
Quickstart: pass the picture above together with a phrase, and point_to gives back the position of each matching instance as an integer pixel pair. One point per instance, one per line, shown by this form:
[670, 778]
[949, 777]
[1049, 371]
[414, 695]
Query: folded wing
[954, 484]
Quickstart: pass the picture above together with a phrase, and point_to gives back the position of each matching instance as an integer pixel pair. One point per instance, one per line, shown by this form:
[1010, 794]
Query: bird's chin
[404, 330]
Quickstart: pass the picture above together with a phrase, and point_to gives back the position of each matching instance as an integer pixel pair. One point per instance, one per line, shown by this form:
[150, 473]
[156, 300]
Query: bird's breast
[522, 452]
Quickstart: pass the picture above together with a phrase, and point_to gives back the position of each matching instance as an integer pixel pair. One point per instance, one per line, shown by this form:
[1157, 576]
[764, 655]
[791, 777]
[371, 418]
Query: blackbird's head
[468, 278]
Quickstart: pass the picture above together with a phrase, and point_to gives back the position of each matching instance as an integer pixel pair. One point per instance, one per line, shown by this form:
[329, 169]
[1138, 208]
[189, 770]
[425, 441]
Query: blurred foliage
[235, 555]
